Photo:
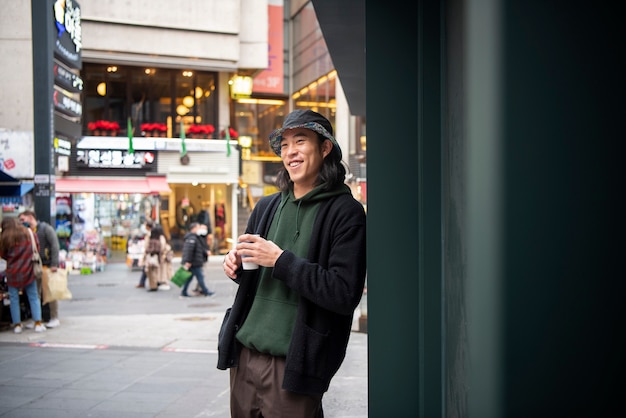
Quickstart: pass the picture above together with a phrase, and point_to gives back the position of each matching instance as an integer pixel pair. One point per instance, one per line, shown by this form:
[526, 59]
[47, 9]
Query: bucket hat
[307, 119]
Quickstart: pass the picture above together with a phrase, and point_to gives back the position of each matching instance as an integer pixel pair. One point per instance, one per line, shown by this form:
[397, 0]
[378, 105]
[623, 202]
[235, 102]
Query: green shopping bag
[181, 276]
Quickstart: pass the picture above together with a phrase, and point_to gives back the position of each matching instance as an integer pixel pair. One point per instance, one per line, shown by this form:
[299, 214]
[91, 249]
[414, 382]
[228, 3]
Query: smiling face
[302, 156]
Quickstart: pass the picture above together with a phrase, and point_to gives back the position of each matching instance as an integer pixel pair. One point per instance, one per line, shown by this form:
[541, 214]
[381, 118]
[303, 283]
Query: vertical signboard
[57, 35]
[271, 80]
[68, 43]
[68, 86]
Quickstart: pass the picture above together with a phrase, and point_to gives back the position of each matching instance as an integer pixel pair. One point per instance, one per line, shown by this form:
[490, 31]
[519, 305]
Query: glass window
[319, 96]
[257, 118]
[148, 96]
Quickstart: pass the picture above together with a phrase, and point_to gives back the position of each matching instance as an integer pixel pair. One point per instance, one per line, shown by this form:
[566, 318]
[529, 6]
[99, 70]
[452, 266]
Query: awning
[143, 185]
[7, 180]
[158, 184]
[12, 187]
[16, 191]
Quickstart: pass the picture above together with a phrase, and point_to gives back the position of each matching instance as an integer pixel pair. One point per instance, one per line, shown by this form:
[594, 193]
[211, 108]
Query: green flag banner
[131, 150]
[227, 130]
[183, 146]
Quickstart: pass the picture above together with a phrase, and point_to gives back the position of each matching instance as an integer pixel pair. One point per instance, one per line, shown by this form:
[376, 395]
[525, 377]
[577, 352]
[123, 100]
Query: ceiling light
[182, 110]
[102, 89]
[188, 101]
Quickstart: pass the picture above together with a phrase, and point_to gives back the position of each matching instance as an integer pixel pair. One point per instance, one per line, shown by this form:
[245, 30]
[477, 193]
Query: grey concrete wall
[16, 75]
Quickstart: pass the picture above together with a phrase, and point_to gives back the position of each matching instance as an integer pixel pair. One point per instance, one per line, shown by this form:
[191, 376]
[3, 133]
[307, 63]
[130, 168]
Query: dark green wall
[393, 238]
[495, 272]
[563, 298]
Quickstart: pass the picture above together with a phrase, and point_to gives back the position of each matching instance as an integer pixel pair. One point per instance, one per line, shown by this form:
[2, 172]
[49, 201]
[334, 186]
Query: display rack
[88, 254]
[134, 253]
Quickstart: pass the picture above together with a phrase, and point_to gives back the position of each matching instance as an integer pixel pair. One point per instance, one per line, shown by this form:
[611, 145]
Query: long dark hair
[332, 173]
[156, 232]
[12, 233]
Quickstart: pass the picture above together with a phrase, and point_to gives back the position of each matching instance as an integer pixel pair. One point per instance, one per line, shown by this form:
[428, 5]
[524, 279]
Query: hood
[318, 194]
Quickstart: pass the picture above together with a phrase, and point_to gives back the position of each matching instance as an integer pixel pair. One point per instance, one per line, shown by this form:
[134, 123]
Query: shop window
[319, 95]
[150, 96]
[257, 118]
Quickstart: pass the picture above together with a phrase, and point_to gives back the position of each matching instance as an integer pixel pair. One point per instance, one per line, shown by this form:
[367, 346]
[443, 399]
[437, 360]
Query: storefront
[207, 183]
[109, 209]
[107, 193]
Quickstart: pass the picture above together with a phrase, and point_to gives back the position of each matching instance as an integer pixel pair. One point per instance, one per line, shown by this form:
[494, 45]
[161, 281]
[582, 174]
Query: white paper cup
[248, 265]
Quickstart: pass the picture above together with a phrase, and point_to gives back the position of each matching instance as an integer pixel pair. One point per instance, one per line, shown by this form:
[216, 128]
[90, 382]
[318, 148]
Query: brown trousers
[255, 390]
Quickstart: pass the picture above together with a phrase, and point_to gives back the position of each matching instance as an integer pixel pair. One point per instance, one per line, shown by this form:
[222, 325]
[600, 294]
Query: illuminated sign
[62, 146]
[69, 40]
[114, 159]
[67, 79]
[271, 80]
[240, 86]
[67, 104]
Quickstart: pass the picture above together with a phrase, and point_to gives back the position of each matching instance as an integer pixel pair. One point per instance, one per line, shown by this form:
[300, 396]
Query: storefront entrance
[205, 203]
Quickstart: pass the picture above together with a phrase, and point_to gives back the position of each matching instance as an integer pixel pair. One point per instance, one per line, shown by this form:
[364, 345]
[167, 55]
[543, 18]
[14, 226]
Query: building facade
[176, 104]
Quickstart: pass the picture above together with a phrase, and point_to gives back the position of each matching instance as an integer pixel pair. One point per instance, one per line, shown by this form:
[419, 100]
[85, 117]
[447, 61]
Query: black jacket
[194, 251]
[330, 284]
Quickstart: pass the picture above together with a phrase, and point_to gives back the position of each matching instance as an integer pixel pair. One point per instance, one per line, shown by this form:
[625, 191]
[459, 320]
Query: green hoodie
[269, 324]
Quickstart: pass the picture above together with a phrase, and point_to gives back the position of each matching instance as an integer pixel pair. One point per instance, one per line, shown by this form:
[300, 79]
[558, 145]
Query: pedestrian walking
[152, 257]
[286, 334]
[167, 270]
[206, 239]
[145, 230]
[195, 255]
[17, 249]
[165, 256]
[49, 243]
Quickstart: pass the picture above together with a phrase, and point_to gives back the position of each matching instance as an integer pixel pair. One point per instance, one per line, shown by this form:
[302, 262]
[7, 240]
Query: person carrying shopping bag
[165, 258]
[17, 249]
[195, 254]
[49, 244]
[152, 260]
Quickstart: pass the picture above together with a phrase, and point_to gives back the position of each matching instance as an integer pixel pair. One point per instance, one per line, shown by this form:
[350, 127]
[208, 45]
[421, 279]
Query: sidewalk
[125, 352]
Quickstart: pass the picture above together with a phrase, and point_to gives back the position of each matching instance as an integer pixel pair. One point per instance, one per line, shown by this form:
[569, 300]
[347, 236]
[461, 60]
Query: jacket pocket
[220, 335]
[225, 343]
[310, 358]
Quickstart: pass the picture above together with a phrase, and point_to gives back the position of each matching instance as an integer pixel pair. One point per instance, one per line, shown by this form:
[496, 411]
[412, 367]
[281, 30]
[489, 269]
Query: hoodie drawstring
[297, 234]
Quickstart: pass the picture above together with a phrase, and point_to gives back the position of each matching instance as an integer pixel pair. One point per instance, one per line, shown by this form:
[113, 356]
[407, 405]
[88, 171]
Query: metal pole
[43, 109]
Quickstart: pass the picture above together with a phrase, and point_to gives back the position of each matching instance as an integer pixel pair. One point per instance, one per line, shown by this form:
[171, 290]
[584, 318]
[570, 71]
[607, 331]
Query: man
[287, 332]
[195, 254]
[204, 232]
[49, 252]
